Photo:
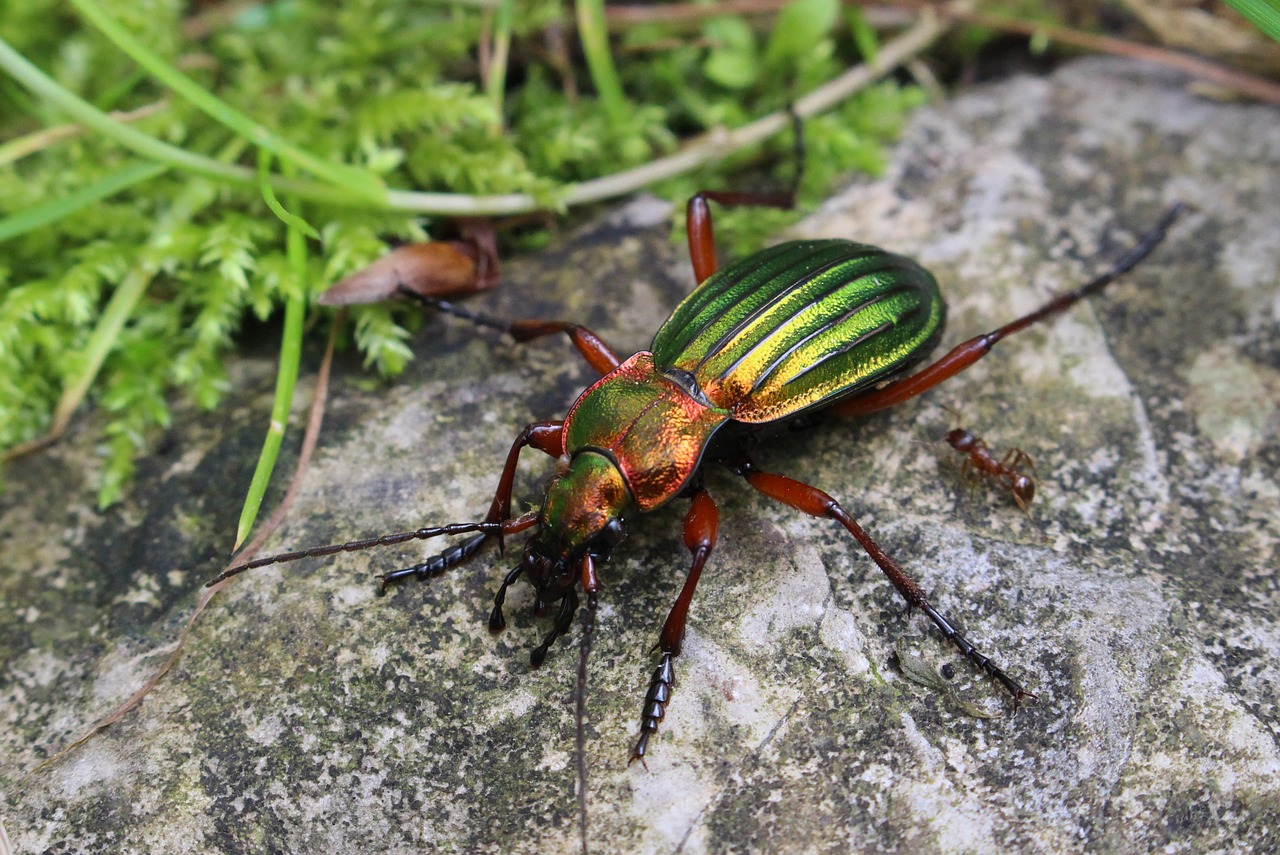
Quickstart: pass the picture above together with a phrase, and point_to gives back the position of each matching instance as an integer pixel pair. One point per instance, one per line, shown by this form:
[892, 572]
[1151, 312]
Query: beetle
[798, 329]
[980, 463]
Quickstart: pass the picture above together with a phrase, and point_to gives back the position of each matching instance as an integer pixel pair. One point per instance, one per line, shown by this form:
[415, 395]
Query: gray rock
[1138, 599]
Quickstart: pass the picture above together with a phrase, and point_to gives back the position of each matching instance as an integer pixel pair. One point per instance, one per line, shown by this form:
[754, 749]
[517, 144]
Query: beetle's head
[581, 515]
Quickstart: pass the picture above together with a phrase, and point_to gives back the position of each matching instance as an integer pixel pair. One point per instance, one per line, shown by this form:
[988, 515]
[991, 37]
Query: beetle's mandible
[800, 327]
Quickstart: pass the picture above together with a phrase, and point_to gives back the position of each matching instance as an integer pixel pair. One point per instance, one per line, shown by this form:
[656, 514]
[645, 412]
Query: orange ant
[981, 463]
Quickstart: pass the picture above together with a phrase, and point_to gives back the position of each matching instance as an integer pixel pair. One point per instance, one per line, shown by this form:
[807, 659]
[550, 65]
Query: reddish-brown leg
[547, 437]
[702, 240]
[964, 355]
[701, 524]
[812, 501]
[593, 349]
[1021, 485]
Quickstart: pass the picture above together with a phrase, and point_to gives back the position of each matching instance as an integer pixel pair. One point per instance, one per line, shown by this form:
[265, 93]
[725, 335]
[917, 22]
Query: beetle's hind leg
[812, 501]
[965, 354]
[701, 524]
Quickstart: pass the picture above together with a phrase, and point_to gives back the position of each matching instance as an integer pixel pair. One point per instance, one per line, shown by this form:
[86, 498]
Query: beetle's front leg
[547, 437]
[701, 525]
[812, 501]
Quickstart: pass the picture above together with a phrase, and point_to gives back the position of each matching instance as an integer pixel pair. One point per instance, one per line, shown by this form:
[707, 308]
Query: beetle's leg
[812, 501]
[547, 437]
[702, 239]
[497, 620]
[964, 355]
[593, 349]
[701, 524]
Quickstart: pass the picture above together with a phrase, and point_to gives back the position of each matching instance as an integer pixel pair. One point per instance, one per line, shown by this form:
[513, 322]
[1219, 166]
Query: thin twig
[722, 142]
[1203, 69]
[19, 148]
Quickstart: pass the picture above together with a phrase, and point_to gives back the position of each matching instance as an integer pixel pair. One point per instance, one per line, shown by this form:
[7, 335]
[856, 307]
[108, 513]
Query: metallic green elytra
[789, 329]
[800, 325]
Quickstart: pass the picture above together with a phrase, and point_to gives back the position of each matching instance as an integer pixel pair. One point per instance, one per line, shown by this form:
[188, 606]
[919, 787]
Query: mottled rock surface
[1139, 599]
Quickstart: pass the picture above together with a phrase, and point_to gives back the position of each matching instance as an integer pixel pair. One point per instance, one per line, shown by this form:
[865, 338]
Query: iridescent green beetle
[802, 327]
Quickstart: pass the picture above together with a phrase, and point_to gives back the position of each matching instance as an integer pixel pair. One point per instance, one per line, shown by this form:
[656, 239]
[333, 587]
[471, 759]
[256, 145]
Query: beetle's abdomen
[652, 428]
[800, 325]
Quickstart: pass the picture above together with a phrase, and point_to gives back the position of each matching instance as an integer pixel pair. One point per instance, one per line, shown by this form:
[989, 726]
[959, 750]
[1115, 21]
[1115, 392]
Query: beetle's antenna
[480, 320]
[584, 652]
[487, 528]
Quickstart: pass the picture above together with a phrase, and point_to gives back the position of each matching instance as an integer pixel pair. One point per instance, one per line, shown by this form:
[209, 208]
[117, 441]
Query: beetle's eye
[609, 536]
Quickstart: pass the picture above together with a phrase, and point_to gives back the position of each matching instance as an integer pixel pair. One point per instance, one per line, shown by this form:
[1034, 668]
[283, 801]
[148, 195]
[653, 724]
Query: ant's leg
[593, 349]
[547, 437]
[1021, 485]
[812, 501]
[964, 355]
[700, 526]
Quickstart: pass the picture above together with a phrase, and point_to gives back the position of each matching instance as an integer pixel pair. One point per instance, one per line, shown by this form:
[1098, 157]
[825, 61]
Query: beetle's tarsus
[814, 502]
[655, 704]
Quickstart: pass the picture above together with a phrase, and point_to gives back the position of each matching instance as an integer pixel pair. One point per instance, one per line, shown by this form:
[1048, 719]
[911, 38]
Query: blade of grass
[55, 209]
[290, 354]
[447, 204]
[595, 48]
[495, 84]
[148, 146]
[339, 174]
[1262, 14]
[864, 35]
[122, 303]
[269, 196]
